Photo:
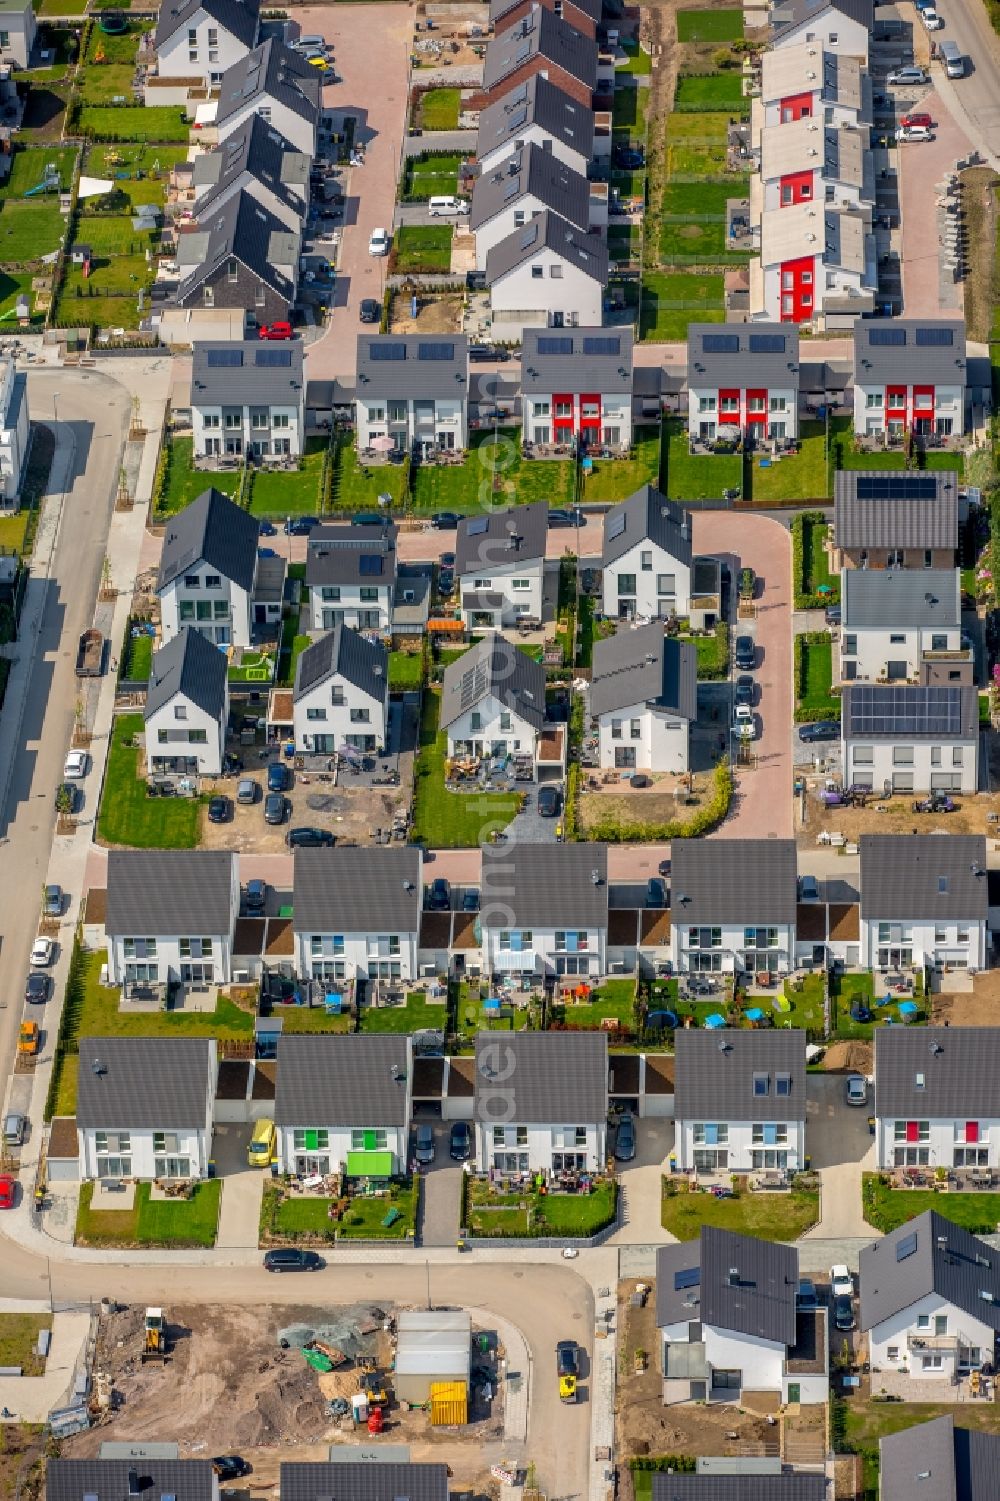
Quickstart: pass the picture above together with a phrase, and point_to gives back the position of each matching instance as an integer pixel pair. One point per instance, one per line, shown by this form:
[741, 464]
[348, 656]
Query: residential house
[814, 258]
[342, 1103]
[170, 917]
[923, 901]
[541, 1102]
[14, 431]
[357, 913]
[351, 576]
[187, 706]
[910, 738]
[740, 1100]
[841, 26]
[743, 376]
[144, 1106]
[733, 905]
[583, 15]
[728, 1323]
[809, 80]
[539, 113]
[526, 185]
[240, 257]
[909, 376]
[936, 1101]
[248, 399]
[209, 570]
[576, 387]
[257, 159]
[141, 1478]
[544, 911]
[809, 161]
[647, 558]
[541, 42]
[930, 1303]
[360, 1479]
[901, 625]
[414, 390]
[894, 519]
[521, 270]
[644, 699]
[500, 563]
[197, 40]
[493, 705]
[965, 1460]
[340, 702]
[280, 87]
[17, 33]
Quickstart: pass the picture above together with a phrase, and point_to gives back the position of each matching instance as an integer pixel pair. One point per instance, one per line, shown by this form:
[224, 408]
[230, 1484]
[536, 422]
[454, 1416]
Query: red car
[7, 1190]
[276, 331]
[920, 119]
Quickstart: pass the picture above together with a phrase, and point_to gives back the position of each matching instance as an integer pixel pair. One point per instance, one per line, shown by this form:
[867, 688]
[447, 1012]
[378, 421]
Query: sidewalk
[31, 1398]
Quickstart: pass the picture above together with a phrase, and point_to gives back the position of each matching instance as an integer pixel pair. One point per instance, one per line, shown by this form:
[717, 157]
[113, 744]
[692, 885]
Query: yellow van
[263, 1144]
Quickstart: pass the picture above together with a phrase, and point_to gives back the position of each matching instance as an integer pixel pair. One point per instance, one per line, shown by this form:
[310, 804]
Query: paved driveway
[242, 1186]
[640, 1184]
[839, 1143]
[441, 1193]
[921, 167]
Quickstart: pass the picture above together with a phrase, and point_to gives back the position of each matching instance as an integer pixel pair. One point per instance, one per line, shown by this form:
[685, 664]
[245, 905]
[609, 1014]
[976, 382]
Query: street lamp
[55, 408]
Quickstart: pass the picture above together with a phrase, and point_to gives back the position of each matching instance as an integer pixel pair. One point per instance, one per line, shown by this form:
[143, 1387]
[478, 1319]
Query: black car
[367, 518]
[231, 1467]
[549, 802]
[745, 689]
[309, 839]
[832, 614]
[220, 809]
[439, 895]
[843, 1312]
[291, 1259]
[445, 521]
[823, 729]
[470, 901]
[274, 807]
[369, 311]
[300, 526]
[482, 354]
[446, 581]
[268, 529]
[625, 1138]
[656, 892]
[447, 560]
[278, 777]
[567, 1358]
[37, 988]
[560, 517]
[256, 895]
[460, 1142]
[746, 655]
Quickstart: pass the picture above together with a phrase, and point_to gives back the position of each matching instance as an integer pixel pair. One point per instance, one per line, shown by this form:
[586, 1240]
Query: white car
[913, 133]
[931, 20]
[378, 244]
[903, 76]
[76, 765]
[841, 1282]
[43, 951]
[744, 723]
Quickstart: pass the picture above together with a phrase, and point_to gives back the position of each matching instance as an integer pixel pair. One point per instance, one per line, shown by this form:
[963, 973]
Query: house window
[180, 711]
[646, 562]
[911, 1130]
[956, 755]
[233, 271]
[777, 403]
[666, 583]
[315, 714]
[902, 755]
[892, 1352]
[616, 729]
[770, 1134]
[305, 1140]
[360, 716]
[540, 408]
[711, 1134]
[873, 398]
[706, 403]
[761, 1084]
[139, 948]
[704, 938]
[330, 593]
[165, 1141]
[280, 419]
[521, 583]
[939, 642]
[369, 1139]
[555, 272]
[195, 948]
[864, 755]
[760, 938]
[635, 729]
[537, 272]
[259, 418]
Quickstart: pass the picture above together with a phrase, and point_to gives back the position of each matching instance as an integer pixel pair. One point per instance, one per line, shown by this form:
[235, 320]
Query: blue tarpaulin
[715, 1020]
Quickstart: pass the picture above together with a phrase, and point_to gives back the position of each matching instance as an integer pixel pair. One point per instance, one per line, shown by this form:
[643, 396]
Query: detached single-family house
[807, 79]
[728, 1323]
[523, 270]
[528, 183]
[170, 917]
[361, 1479]
[583, 15]
[814, 258]
[902, 625]
[340, 702]
[493, 702]
[258, 159]
[964, 1460]
[280, 87]
[745, 377]
[248, 399]
[647, 558]
[909, 738]
[209, 573]
[351, 576]
[187, 706]
[342, 1103]
[239, 256]
[740, 1100]
[894, 519]
[500, 563]
[17, 33]
[909, 376]
[541, 1102]
[541, 42]
[936, 1101]
[357, 913]
[809, 161]
[644, 699]
[14, 430]
[414, 390]
[144, 1106]
[539, 113]
[197, 40]
[544, 911]
[141, 1478]
[576, 386]
[930, 1303]
[841, 26]
[923, 901]
[733, 905]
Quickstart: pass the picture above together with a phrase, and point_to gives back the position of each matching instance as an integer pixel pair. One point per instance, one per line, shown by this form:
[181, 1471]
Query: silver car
[425, 1145]
[856, 1090]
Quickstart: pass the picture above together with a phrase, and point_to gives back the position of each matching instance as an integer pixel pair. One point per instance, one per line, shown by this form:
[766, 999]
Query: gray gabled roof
[782, 1487]
[746, 882]
[539, 102]
[648, 517]
[544, 886]
[108, 1479]
[923, 877]
[882, 517]
[254, 373]
[169, 893]
[272, 70]
[937, 1461]
[213, 530]
[929, 1254]
[928, 1073]
[136, 1082]
[501, 8]
[412, 366]
[344, 653]
[356, 1480]
[587, 252]
[749, 354]
[243, 230]
[923, 352]
[644, 666]
[374, 890]
[791, 13]
[578, 360]
[494, 666]
[900, 598]
[192, 666]
[354, 1079]
[541, 34]
[502, 538]
[745, 1285]
[260, 150]
[715, 1074]
[909, 711]
[346, 554]
[548, 1078]
[241, 18]
[534, 173]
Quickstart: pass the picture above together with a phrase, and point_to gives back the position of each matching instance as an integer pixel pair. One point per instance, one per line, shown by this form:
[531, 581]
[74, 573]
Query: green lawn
[770, 1216]
[629, 186]
[109, 65]
[842, 455]
[28, 169]
[439, 109]
[711, 91]
[802, 477]
[638, 63]
[816, 560]
[614, 479]
[612, 998]
[292, 647]
[805, 997]
[356, 487]
[127, 815]
[416, 1014]
[886, 1208]
[673, 299]
[450, 820]
[423, 247]
[140, 172]
[624, 241]
[61, 7]
[469, 486]
[629, 109]
[712, 652]
[12, 532]
[19, 1340]
[15, 284]
[709, 25]
[694, 219]
[406, 671]
[166, 1222]
[704, 160]
[184, 483]
[702, 477]
[492, 1214]
[29, 228]
[844, 990]
[363, 1220]
[437, 175]
[159, 122]
[254, 667]
[109, 295]
[280, 492]
[817, 687]
[137, 658]
[699, 129]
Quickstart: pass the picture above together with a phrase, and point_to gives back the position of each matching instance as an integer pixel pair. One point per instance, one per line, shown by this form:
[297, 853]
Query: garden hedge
[609, 831]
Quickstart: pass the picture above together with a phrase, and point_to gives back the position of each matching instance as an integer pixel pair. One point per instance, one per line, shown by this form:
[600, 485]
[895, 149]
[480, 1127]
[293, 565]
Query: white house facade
[546, 275]
[248, 399]
[644, 698]
[500, 565]
[187, 707]
[923, 905]
[208, 569]
[840, 26]
[340, 701]
[900, 625]
[14, 430]
[185, 940]
[733, 906]
[413, 390]
[740, 1100]
[199, 40]
[647, 558]
[357, 913]
[909, 376]
[910, 739]
[803, 79]
[540, 1103]
[351, 577]
[576, 387]
[343, 1104]
[542, 911]
[125, 1130]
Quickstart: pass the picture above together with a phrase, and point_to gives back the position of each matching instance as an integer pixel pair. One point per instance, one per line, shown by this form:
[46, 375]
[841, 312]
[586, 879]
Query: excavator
[154, 1339]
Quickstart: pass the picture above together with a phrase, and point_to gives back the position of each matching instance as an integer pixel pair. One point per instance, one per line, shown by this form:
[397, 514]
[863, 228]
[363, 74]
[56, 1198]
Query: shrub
[804, 600]
[707, 817]
[681, 1464]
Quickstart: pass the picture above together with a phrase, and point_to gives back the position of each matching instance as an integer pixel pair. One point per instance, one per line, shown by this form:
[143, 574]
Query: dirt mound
[848, 1058]
[289, 1408]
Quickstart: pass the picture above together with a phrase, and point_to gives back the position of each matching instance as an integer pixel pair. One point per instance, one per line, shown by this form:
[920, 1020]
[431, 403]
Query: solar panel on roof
[519, 118]
[688, 1276]
[906, 1247]
[436, 351]
[887, 336]
[386, 351]
[896, 487]
[766, 344]
[477, 526]
[520, 94]
[936, 335]
[552, 344]
[529, 237]
[224, 359]
[721, 343]
[370, 564]
[615, 527]
[899, 710]
[595, 345]
[272, 357]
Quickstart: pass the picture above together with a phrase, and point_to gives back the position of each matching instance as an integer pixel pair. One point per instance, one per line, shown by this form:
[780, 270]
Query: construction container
[449, 1403]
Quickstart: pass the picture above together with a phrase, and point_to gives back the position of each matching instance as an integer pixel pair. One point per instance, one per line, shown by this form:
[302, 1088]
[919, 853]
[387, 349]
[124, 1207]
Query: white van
[914, 133]
[448, 208]
[954, 62]
[309, 41]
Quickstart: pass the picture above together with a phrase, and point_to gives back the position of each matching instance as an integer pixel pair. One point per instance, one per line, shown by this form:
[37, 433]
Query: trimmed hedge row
[802, 599]
[804, 715]
[708, 817]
